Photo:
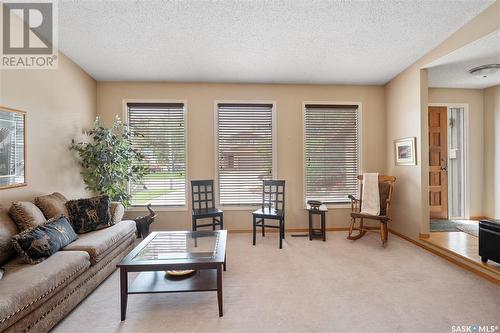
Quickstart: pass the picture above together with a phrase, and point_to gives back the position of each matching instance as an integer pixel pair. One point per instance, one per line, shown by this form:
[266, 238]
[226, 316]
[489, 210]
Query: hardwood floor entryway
[462, 244]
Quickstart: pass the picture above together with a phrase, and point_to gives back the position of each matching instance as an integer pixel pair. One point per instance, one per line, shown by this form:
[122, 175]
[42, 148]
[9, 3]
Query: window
[245, 151]
[12, 148]
[162, 140]
[331, 152]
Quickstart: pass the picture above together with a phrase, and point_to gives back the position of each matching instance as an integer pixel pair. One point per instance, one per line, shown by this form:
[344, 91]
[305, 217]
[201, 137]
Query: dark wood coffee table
[203, 251]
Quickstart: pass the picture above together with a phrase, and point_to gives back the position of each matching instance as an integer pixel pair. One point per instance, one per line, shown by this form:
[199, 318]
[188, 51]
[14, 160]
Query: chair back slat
[273, 194]
[202, 194]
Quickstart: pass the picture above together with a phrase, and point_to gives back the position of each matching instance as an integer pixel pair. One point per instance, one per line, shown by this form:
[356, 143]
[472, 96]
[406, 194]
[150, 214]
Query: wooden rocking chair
[386, 186]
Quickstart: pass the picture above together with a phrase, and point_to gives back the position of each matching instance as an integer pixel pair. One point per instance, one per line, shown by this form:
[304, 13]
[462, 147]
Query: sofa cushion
[52, 205]
[99, 243]
[26, 215]
[90, 214]
[117, 211]
[37, 244]
[7, 229]
[24, 287]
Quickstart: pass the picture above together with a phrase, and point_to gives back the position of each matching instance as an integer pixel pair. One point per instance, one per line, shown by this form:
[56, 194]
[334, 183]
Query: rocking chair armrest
[350, 196]
[355, 203]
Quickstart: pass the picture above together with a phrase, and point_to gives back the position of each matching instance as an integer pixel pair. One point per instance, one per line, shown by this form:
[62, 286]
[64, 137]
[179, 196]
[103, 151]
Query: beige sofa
[36, 297]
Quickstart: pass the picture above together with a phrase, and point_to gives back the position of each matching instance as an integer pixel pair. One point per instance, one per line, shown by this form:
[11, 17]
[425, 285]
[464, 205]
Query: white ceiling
[452, 70]
[334, 42]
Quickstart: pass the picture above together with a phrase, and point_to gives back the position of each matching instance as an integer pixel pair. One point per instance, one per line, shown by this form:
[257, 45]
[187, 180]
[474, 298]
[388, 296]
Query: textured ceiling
[336, 42]
[452, 70]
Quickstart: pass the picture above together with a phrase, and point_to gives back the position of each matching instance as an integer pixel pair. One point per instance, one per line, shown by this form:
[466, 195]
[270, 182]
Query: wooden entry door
[438, 162]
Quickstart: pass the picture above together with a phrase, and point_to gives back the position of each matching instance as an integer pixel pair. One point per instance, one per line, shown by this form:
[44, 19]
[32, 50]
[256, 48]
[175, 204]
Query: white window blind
[12, 148]
[245, 152]
[160, 130]
[331, 152]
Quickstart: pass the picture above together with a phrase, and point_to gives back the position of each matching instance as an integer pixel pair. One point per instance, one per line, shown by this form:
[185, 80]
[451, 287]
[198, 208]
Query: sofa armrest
[117, 211]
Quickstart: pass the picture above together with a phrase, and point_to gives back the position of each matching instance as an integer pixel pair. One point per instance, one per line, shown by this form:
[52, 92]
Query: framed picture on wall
[405, 151]
[12, 148]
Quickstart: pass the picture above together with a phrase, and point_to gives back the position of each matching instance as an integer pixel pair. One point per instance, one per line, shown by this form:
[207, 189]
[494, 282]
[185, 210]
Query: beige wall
[62, 102]
[406, 112]
[492, 152]
[289, 98]
[403, 120]
[474, 99]
[59, 103]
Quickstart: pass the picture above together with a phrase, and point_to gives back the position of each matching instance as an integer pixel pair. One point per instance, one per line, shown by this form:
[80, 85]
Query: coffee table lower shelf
[157, 282]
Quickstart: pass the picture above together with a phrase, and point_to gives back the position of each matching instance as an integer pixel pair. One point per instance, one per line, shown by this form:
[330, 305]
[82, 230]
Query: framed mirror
[12, 148]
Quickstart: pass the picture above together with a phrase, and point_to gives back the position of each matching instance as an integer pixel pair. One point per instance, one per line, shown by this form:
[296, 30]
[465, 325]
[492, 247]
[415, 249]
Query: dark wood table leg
[225, 259]
[123, 292]
[254, 229]
[310, 226]
[323, 225]
[219, 289]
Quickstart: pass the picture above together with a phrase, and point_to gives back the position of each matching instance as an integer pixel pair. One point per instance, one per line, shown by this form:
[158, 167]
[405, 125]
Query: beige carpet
[309, 286]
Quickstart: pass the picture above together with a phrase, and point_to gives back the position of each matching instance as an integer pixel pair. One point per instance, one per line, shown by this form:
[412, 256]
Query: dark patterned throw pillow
[37, 244]
[90, 214]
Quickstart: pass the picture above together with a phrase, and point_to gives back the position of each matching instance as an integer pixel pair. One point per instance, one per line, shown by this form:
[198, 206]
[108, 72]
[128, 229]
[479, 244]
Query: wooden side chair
[386, 187]
[273, 208]
[203, 205]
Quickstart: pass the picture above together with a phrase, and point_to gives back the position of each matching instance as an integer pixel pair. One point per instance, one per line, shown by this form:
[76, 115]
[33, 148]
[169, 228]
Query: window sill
[158, 209]
[247, 208]
[336, 206]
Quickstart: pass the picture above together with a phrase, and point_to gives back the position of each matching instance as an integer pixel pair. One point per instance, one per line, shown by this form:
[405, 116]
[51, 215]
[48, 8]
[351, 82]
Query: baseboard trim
[423, 235]
[448, 258]
[246, 231]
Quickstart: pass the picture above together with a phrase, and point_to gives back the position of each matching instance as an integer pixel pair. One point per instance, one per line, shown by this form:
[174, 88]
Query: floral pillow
[90, 214]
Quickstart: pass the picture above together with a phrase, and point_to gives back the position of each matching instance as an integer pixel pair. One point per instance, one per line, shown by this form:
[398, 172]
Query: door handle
[444, 165]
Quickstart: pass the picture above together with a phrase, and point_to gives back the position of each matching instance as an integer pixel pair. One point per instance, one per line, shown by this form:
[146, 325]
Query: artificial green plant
[108, 160]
